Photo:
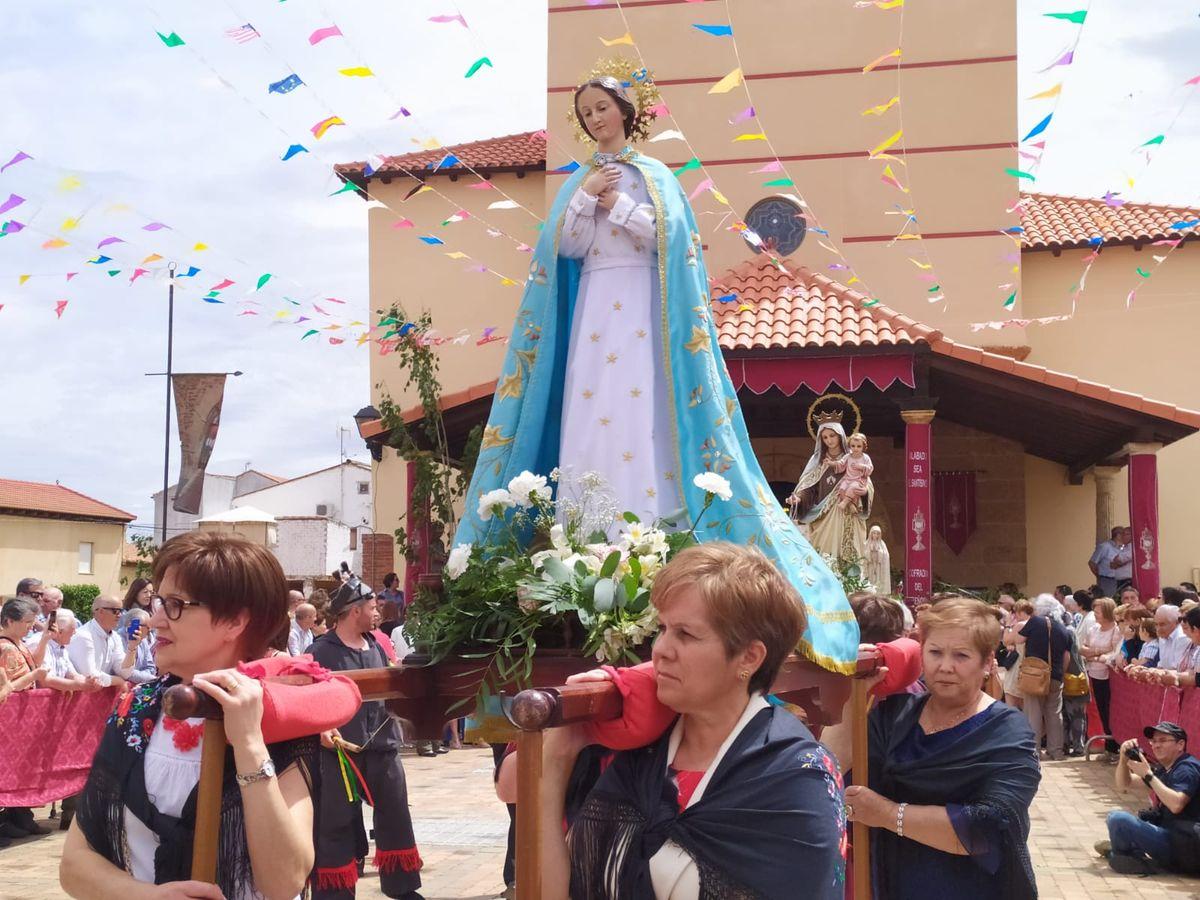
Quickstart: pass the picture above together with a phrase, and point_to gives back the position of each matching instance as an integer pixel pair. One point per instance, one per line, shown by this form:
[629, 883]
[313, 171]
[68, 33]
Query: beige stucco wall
[49, 549]
[420, 277]
[1148, 348]
[942, 106]
[258, 532]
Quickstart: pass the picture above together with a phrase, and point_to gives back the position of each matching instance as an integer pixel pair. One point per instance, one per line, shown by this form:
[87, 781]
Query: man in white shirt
[301, 637]
[61, 672]
[1112, 561]
[1172, 642]
[97, 649]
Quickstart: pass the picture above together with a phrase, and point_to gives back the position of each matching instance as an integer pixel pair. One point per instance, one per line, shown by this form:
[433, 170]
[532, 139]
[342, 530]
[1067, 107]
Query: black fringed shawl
[991, 772]
[117, 781]
[770, 820]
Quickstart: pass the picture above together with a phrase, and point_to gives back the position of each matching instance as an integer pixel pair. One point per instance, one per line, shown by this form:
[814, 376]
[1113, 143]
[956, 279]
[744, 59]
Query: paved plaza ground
[461, 830]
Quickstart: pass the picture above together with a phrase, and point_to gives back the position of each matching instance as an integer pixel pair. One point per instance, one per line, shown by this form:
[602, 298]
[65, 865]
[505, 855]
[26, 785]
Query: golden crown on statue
[832, 414]
[639, 88]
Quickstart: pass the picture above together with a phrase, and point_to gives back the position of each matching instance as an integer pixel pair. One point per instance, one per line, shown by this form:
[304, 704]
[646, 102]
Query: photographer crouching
[1167, 835]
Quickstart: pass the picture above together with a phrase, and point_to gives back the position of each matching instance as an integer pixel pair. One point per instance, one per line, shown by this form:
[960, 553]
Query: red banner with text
[918, 517]
[1143, 519]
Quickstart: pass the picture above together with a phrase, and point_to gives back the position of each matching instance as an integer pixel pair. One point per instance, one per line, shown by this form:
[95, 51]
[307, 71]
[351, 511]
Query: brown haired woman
[221, 599]
[735, 800]
[952, 773]
[139, 596]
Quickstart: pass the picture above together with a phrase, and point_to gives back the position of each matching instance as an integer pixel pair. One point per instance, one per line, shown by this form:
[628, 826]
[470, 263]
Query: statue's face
[831, 439]
[876, 533]
[600, 113]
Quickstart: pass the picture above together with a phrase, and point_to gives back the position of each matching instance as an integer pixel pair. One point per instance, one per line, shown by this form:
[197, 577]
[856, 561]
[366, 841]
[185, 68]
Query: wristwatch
[1147, 778]
[265, 771]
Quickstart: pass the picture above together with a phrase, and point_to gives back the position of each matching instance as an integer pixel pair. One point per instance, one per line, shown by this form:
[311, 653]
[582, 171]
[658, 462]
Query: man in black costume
[350, 645]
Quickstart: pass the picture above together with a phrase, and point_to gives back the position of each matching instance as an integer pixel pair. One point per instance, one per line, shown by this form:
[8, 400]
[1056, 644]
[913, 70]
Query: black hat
[348, 593]
[1171, 728]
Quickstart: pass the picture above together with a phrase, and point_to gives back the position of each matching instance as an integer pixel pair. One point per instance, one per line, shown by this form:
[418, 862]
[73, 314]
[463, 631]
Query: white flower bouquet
[571, 571]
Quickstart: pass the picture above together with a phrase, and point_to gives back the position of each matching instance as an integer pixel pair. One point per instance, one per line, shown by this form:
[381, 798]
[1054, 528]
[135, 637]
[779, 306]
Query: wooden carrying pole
[208, 802]
[858, 755]
[182, 701]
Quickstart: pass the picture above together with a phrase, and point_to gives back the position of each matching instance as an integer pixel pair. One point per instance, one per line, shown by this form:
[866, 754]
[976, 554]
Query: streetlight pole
[167, 425]
[167, 417]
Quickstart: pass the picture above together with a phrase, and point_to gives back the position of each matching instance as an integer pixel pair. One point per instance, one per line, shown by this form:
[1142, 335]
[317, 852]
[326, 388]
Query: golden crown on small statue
[639, 88]
[817, 416]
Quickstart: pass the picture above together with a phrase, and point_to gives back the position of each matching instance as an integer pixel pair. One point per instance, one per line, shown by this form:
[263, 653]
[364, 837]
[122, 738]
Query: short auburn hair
[746, 598]
[1023, 606]
[230, 574]
[880, 618]
[975, 616]
[1106, 606]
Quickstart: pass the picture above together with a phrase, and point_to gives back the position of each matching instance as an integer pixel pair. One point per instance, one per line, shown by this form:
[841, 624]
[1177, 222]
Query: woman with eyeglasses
[221, 598]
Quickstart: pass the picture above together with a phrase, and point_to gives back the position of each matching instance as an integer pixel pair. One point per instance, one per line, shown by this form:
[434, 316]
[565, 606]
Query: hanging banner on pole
[954, 507]
[918, 496]
[1143, 519]
[198, 413]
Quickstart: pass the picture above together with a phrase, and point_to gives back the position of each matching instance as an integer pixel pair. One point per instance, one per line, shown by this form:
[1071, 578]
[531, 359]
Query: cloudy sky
[125, 132]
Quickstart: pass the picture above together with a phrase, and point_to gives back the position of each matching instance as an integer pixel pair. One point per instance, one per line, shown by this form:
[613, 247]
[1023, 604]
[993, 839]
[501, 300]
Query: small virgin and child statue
[833, 499]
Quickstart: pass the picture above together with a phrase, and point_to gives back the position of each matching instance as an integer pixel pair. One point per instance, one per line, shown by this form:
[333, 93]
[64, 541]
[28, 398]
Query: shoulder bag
[1033, 678]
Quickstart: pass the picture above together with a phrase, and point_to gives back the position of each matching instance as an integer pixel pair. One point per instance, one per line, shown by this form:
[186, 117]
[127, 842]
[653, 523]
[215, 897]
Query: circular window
[779, 222]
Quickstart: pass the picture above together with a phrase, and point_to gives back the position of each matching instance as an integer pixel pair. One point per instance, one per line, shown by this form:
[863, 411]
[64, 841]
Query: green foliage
[144, 565]
[439, 481]
[78, 598]
[850, 573]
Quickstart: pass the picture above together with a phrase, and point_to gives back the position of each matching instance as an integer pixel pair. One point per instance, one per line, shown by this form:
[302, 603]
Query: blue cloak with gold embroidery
[709, 433]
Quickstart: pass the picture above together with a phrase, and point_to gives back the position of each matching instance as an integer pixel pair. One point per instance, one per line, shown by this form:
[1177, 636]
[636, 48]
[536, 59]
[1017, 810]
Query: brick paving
[461, 830]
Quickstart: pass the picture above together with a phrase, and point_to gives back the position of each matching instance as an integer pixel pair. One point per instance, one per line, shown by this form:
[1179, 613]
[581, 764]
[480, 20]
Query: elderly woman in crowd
[19, 661]
[1099, 645]
[736, 799]
[952, 773]
[23, 672]
[221, 600]
[138, 666]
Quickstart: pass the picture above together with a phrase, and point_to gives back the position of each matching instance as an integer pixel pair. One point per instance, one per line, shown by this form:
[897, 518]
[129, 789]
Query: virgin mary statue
[832, 528]
[614, 367]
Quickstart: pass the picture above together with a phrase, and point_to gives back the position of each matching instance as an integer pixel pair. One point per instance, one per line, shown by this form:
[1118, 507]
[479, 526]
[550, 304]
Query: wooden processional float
[430, 695]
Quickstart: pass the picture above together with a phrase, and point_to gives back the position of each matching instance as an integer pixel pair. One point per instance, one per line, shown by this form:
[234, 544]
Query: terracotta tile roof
[130, 555]
[778, 310]
[1054, 222]
[810, 310]
[51, 499]
[526, 150]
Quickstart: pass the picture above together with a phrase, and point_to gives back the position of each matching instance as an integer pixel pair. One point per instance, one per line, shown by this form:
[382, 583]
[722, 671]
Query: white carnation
[456, 564]
[527, 486]
[712, 483]
[492, 499]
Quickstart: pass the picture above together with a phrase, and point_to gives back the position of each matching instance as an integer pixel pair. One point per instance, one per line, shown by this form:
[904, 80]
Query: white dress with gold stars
[615, 419]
